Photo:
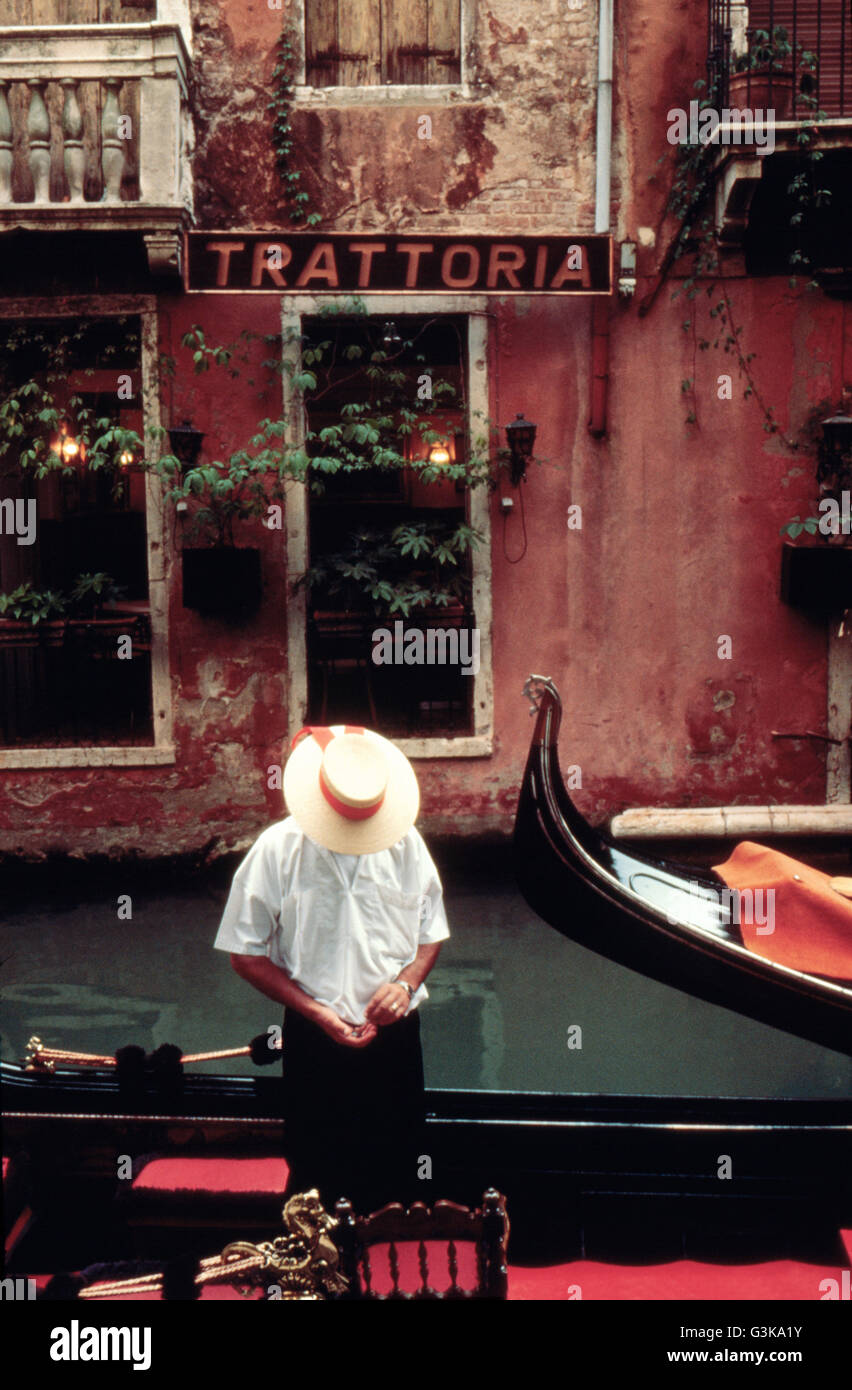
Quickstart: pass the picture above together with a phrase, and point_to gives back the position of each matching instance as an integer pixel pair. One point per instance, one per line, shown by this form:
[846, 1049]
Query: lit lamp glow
[125, 458]
[439, 455]
[67, 447]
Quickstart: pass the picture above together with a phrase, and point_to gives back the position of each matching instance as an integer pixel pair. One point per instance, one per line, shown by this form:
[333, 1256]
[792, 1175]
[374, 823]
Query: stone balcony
[96, 133]
[739, 167]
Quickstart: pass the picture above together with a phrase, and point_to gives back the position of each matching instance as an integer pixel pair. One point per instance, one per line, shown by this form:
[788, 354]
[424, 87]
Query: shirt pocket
[400, 915]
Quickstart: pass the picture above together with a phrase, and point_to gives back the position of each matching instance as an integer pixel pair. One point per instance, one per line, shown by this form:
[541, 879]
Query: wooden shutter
[359, 36]
[342, 43]
[361, 43]
[320, 43]
[406, 32]
[822, 27]
[422, 41]
[444, 41]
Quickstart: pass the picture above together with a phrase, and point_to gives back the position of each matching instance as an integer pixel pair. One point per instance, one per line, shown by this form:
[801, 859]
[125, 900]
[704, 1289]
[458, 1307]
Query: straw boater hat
[349, 789]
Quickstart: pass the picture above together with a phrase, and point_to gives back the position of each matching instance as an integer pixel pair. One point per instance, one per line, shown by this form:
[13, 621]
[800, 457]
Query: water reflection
[95, 1020]
[505, 993]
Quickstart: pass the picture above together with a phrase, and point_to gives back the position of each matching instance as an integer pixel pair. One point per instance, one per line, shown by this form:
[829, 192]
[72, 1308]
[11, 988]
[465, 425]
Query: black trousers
[354, 1117]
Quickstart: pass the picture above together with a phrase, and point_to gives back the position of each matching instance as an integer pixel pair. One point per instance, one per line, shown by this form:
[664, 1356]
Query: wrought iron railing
[791, 56]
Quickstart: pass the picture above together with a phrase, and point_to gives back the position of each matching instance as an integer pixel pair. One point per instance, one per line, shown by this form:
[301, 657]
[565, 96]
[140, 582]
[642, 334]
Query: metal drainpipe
[603, 198]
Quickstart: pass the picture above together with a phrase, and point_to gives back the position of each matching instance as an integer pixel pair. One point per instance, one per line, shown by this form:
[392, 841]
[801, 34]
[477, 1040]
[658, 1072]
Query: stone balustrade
[95, 127]
[68, 141]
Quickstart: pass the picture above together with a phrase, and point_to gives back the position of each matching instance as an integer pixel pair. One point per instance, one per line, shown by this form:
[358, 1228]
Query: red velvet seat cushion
[213, 1175]
[682, 1279]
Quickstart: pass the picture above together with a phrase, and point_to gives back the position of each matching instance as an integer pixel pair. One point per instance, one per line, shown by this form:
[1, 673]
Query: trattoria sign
[310, 263]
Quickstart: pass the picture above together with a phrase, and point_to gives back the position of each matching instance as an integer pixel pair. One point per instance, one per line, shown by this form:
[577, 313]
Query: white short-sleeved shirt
[340, 925]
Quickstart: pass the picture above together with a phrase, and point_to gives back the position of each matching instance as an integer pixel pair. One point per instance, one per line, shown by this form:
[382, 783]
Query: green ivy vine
[283, 79]
[690, 200]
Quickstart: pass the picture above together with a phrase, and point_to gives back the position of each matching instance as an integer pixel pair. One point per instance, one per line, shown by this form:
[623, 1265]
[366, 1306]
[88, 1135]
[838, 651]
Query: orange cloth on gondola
[812, 922]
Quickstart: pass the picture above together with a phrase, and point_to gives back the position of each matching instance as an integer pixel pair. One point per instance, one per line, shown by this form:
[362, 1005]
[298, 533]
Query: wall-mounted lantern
[186, 443]
[390, 336]
[67, 447]
[521, 438]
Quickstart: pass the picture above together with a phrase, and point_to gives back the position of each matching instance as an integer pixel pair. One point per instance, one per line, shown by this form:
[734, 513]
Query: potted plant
[31, 617]
[816, 577]
[764, 76]
[358, 443]
[220, 577]
[388, 573]
[91, 595]
[43, 617]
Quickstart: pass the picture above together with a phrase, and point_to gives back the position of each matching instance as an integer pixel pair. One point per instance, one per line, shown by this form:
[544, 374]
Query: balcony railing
[793, 56]
[95, 127]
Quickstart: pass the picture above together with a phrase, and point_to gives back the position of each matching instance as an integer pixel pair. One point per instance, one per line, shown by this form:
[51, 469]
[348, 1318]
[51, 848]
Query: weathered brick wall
[519, 154]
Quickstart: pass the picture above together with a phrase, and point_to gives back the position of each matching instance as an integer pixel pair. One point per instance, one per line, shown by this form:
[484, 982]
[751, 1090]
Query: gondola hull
[588, 888]
[581, 1172]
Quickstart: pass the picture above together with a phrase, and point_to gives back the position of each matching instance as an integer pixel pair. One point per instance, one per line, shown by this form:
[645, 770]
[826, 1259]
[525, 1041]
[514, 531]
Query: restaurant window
[389, 546]
[75, 646]
[369, 43]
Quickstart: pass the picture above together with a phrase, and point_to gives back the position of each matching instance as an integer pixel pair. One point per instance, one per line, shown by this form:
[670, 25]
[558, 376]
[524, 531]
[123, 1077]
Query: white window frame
[399, 92]
[162, 750]
[294, 309]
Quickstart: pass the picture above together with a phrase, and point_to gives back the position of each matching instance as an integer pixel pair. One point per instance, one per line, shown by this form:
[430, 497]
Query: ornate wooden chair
[388, 1254]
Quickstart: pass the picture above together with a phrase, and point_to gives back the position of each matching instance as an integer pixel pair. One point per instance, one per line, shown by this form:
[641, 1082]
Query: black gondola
[665, 920]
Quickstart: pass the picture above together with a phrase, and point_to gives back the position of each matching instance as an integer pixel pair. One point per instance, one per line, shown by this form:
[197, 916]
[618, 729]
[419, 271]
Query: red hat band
[324, 737]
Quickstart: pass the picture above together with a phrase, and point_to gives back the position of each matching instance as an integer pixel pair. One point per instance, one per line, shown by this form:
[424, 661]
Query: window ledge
[46, 758]
[474, 746]
[398, 93]
[723, 822]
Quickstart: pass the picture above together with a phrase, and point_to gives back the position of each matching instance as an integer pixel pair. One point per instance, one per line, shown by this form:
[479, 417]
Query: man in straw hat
[337, 913]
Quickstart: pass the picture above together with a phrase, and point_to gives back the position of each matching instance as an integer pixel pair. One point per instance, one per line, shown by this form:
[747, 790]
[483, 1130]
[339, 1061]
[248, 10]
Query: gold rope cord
[215, 1269]
[45, 1059]
[303, 1262]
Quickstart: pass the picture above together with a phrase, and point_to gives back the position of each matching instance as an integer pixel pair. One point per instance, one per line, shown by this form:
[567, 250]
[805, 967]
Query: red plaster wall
[680, 538]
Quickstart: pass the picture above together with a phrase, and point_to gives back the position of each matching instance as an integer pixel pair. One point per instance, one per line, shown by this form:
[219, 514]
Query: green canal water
[503, 997]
